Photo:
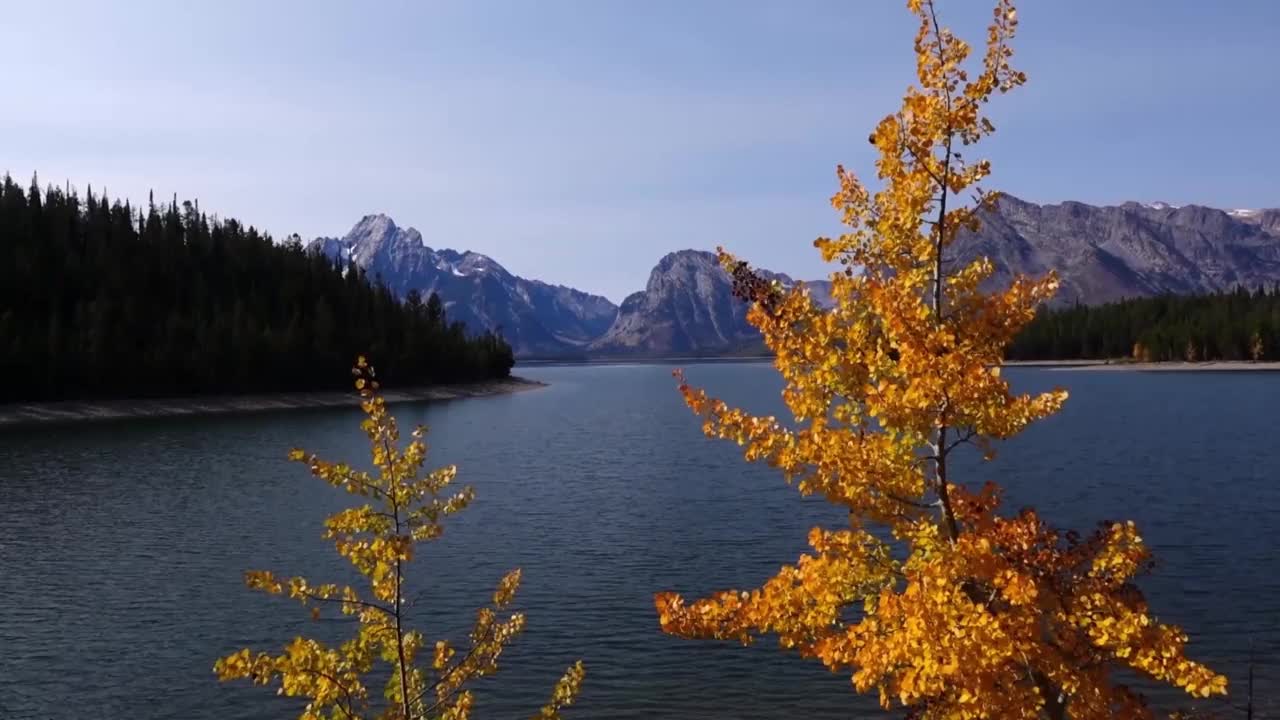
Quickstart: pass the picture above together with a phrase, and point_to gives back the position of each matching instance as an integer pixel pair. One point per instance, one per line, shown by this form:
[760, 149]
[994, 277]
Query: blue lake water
[122, 543]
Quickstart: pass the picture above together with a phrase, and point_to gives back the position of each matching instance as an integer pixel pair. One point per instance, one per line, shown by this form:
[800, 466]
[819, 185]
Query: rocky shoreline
[76, 411]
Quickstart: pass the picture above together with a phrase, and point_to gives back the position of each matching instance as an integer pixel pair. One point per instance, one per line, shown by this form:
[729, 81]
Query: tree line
[1233, 325]
[99, 299]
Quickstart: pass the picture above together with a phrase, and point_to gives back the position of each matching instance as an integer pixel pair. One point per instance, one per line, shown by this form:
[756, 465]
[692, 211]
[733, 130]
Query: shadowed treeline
[100, 299]
[1237, 325]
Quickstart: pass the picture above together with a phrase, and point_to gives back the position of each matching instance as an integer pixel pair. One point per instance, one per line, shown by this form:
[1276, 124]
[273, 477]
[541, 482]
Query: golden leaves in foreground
[407, 507]
[930, 598]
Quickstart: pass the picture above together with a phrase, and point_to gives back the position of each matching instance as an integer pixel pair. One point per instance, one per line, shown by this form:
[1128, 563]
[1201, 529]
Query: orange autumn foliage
[931, 598]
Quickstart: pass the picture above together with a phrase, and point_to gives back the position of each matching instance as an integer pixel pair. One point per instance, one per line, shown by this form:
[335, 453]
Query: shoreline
[1129, 366]
[17, 414]
[1053, 363]
[643, 360]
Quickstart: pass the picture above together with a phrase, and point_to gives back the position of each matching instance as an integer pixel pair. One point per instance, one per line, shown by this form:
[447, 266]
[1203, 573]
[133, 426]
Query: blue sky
[577, 141]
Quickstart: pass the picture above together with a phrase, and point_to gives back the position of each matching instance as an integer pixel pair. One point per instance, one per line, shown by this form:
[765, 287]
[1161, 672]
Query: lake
[122, 543]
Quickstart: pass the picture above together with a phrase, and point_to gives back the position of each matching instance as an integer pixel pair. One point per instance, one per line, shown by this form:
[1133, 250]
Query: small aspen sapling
[406, 507]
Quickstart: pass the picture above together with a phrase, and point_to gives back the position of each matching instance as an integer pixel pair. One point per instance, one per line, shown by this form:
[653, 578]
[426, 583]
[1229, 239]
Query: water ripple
[122, 543]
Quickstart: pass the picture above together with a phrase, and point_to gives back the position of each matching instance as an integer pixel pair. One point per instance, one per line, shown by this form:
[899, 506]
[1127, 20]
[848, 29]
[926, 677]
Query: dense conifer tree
[1235, 325]
[100, 300]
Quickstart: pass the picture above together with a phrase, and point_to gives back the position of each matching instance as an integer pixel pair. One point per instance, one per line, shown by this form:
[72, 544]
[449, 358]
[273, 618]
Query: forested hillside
[101, 299]
[1238, 325]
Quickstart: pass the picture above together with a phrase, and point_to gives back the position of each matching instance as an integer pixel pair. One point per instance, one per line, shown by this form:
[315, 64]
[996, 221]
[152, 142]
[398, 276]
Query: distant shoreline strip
[79, 411]
[1128, 366]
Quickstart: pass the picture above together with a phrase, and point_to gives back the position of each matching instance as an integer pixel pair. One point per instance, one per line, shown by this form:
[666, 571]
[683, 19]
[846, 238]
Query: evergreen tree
[99, 300]
[1230, 325]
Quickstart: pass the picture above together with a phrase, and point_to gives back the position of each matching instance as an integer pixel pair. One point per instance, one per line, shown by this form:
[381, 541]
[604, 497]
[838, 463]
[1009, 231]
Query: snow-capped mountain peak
[475, 289]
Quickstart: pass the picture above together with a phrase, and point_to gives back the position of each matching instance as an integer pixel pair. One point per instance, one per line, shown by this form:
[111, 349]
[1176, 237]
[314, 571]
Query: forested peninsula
[103, 300]
[1241, 325]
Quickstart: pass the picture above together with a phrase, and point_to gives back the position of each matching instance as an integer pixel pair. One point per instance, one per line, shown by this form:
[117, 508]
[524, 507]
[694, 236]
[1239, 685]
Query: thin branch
[445, 675]
[920, 160]
[349, 709]
[371, 488]
[937, 34]
[403, 666]
[940, 445]
[449, 671]
[373, 606]
[909, 501]
[967, 437]
[895, 570]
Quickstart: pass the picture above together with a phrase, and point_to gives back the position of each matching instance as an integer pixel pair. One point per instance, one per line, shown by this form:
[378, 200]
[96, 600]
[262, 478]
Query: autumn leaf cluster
[406, 507]
[932, 598]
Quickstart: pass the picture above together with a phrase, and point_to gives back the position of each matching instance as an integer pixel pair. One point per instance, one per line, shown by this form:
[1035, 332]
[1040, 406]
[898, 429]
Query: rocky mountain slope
[1108, 253]
[687, 306]
[1100, 253]
[535, 317]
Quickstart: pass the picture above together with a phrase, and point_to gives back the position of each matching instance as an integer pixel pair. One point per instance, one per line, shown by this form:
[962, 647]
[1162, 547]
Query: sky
[578, 141]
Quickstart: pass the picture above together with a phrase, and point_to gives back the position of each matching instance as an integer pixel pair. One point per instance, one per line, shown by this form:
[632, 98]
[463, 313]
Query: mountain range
[1101, 253]
[536, 318]
[1104, 254]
